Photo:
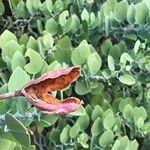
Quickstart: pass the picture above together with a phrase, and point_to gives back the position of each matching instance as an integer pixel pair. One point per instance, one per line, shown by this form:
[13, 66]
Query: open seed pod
[38, 91]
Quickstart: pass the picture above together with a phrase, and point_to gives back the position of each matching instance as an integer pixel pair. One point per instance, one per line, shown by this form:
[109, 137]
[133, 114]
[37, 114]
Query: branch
[11, 94]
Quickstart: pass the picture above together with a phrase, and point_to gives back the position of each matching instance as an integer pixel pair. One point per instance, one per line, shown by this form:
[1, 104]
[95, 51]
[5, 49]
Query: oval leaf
[110, 61]
[51, 26]
[97, 126]
[127, 79]
[94, 63]
[64, 136]
[18, 79]
[74, 130]
[36, 62]
[106, 138]
[140, 18]
[131, 13]
[109, 121]
[120, 11]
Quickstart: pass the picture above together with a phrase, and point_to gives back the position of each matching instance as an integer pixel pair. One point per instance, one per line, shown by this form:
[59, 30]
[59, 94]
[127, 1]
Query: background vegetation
[110, 40]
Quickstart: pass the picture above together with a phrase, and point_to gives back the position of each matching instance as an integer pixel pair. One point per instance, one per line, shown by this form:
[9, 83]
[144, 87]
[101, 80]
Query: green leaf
[94, 62]
[117, 145]
[40, 27]
[48, 40]
[97, 126]
[140, 122]
[53, 66]
[115, 52]
[146, 127]
[81, 53]
[2, 64]
[106, 73]
[22, 11]
[97, 100]
[54, 135]
[139, 112]
[49, 5]
[30, 7]
[124, 102]
[109, 121]
[112, 4]
[18, 147]
[63, 50]
[9, 49]
[72, 24]
[147, 3]
[121, 143]
[18, 79]
[5, 37]
[33, 5]
[82, 139]
[13, 3]
[85, 15]
[108, 7]
[97, 88]
[78, 112]
[17, 60]
[36, 4]
[58, 6]
[128, 112]
[127, 79]
[17, 129]
[2, 8]
[30, 147]
[111, 63]
[51, 26]
[83, 121]
[120, 11]
[44, 8]
[64, 135]
[7, 144]
[130, 36]
[124, 58]
[131, 14]
[122, 47]
[75, 129]
[36, 62]
[140, 18]
[88, 109]
[106, 138]
[92, 18]
[97, 112]
[108, 111]
[133, 145]
[3, 105]
[124, 141]
[23, 40]
[23, 106]
[32, 43]
[82, 87]
[63, 17]
[47, 120]
[106, 46]
[137, 46]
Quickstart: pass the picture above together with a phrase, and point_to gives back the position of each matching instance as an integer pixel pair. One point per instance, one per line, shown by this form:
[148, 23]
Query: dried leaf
[38, 91]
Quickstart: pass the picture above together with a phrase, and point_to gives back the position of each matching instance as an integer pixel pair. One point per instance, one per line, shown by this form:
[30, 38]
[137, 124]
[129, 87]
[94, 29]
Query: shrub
[109, 40]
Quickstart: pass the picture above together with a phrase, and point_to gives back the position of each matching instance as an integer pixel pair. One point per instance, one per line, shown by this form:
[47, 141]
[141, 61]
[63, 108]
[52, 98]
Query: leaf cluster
[110, 40]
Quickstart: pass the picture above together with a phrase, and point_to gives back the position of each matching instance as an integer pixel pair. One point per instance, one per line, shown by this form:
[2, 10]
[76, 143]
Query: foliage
[110, 40]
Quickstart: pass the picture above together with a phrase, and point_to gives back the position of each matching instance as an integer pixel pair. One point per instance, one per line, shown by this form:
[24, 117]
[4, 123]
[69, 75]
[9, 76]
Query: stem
[61, 95]
[11, 94]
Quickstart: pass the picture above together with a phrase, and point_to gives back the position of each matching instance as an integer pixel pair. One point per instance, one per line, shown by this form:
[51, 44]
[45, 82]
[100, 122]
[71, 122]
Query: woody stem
[10, 94]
